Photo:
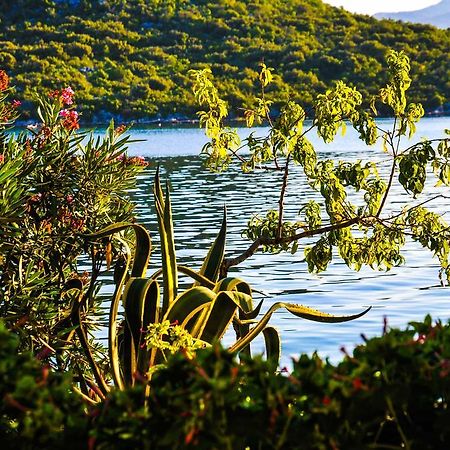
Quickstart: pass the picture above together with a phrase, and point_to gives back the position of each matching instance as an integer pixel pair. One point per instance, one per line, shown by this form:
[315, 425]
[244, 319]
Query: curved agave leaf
[273, 346]
[200, 279]
[233, 284]
[189, 304]
[297, 310]
[82, 336]
[120, 274]
[140, 298]
[165, 228]
[218, 318]
[150, 315]
[143, 244]
[211, 265]
[246, 310]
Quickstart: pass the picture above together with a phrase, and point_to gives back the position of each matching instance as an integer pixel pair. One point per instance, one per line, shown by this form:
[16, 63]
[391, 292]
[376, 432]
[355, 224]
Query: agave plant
[205, 310]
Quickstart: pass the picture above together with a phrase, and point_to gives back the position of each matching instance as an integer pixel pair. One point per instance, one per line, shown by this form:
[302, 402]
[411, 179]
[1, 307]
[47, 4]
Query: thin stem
[282, 196]
[386, 193]
[399, 428]
[394, 165]
[239, 157]
[263, 93]
[421, 143]
[84, 396]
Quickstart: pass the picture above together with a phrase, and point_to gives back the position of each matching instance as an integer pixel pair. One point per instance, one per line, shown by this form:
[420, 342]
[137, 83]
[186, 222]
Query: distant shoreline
[165, 123]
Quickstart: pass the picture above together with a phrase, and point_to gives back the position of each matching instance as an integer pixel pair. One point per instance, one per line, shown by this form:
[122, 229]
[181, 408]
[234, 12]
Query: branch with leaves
[361, 231]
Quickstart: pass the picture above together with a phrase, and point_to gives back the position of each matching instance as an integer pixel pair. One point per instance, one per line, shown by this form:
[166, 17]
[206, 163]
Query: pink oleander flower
[138, 161]
[67, 96]
[70, 121]
[120, 130]
[16, 103]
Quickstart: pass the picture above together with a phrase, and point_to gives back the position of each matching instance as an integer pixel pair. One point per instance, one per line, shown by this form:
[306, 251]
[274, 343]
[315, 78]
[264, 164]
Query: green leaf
[299, 311]
[273, 346]
[120, 273]
[141, 301]
[165, 228]
[203, 281]
[213, 261]
[218, 318]
[143, 244]
[233, 284]
[188, 304]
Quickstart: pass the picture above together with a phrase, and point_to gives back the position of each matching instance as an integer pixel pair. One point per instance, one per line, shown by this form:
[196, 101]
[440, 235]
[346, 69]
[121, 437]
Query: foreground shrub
[37, 408]
[56, 183]
[393, 392]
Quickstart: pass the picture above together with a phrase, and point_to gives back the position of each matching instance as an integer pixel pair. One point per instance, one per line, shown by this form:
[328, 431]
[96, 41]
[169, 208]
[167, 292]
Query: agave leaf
[120, 274]
[203, 281]
[233, 284]
[273, 346]
[143, 244]
[242, 292]
[168, 225]
[317, 316]
[157, 188]
[82, 336]
[211, 265]
[188, 304]
[165, 227]
[297, 310]
[140, 299]
[150, 315]
[129, 363]
[134, 298]
[219, 317]
[253, 314]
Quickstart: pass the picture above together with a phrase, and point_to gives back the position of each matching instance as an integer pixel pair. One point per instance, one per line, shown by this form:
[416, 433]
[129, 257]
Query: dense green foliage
[36, 404]
[132, 57]
[55, 184]
[393, 392]
[351, 219]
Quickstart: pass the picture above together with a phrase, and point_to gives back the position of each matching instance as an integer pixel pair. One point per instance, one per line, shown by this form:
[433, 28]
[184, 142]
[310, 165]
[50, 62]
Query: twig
[282, 195]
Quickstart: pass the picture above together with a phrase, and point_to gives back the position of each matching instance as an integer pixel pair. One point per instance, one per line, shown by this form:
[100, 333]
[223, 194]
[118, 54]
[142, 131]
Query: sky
[374, 6]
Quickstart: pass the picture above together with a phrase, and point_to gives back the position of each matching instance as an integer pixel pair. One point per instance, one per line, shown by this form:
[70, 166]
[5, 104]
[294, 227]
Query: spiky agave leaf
[143, 244]
[297, 310]
[273, 346]
[165, 228]
[213, 261]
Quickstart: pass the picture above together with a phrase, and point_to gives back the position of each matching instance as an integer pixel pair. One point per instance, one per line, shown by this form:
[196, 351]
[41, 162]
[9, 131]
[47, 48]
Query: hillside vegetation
[133, 56]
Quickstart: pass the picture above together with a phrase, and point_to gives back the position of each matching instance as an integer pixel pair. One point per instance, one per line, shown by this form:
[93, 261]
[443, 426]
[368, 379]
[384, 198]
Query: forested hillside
[133, 56]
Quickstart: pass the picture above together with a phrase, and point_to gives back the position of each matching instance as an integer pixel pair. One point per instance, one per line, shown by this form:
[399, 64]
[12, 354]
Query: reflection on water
[402, 294]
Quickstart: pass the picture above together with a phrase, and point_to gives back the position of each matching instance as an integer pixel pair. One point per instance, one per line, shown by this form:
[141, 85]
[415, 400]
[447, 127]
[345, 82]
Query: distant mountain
[132, 57]
[437, 15]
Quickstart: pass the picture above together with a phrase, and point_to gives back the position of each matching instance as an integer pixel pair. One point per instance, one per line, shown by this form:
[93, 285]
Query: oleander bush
[392, 392]
[56, 182]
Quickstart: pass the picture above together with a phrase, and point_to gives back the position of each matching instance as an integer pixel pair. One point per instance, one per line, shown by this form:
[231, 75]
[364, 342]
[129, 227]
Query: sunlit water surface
[403, 294]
